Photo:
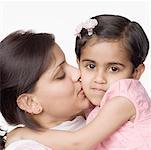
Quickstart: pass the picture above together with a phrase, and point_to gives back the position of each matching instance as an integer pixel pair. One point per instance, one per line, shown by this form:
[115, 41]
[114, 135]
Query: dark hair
[2, 138]
[24, 57]
[114, 27]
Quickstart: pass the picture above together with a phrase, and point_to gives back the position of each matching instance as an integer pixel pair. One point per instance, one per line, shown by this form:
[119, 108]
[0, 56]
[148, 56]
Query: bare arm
[111, 117]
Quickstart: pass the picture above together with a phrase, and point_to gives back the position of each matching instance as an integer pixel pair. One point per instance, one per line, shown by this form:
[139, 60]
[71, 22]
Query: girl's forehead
[104, 43]
[98, 39]
[101, 49]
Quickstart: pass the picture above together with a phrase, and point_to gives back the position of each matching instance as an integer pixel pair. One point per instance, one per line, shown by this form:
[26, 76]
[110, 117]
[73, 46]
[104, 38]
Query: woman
[38, 88]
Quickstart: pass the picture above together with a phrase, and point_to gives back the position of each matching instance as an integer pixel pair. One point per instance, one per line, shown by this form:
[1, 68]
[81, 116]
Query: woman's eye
[114, 69]
[90, 66]
[61, 77]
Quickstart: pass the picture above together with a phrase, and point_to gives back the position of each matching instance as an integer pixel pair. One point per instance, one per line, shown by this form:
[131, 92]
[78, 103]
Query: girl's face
[59, 91]
[101, 64]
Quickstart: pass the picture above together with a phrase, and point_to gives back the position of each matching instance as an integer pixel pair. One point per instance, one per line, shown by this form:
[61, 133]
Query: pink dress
[132, 135]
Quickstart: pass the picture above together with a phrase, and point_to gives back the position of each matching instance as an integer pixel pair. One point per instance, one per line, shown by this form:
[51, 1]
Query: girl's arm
[112, 116]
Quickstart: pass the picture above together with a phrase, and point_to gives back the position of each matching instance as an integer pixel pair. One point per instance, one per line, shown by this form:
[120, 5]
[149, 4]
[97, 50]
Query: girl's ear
[138, 71]
[28, 103]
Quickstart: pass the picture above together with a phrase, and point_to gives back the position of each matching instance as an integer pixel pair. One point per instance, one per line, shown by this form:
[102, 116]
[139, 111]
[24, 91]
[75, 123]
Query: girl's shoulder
[131, 89]
[128, 87]
[127, 84]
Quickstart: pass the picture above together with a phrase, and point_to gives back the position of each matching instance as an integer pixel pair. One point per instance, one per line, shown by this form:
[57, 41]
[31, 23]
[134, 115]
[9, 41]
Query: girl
[110, 48]
[110, 51]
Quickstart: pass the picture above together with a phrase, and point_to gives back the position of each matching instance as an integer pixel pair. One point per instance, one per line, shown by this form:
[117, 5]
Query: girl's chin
[95, 101]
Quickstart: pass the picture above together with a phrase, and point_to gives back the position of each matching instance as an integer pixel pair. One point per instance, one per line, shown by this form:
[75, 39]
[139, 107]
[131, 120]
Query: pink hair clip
[89, 25]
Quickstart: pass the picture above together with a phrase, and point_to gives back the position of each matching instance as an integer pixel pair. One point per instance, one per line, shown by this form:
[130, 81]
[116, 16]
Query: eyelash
[88, 66]
[92, 66]
[61, 77]
[112, 69]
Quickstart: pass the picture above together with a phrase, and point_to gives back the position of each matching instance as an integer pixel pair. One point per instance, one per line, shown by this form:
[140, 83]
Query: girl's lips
[98, 88]
[98, 91]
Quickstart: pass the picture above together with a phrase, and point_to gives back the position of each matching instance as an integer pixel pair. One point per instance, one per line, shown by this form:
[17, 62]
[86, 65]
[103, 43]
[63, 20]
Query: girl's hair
[113, 27]
[24, 57]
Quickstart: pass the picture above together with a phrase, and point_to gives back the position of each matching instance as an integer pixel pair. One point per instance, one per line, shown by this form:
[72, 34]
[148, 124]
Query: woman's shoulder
[14, 141]
[26, 144]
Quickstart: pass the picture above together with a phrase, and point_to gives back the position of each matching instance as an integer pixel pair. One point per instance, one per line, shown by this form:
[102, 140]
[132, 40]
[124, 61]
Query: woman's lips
[81, 92]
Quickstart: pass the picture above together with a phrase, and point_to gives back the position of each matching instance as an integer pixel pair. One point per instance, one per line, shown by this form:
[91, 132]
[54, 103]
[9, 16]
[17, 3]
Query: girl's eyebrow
[109, 63]
[115, 63]
[89, 60]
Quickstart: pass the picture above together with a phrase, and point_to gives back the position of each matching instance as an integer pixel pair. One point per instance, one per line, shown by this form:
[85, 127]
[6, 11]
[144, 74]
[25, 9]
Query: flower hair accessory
[88, 25]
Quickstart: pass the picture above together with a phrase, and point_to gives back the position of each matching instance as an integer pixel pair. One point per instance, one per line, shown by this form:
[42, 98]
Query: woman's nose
[75, 74]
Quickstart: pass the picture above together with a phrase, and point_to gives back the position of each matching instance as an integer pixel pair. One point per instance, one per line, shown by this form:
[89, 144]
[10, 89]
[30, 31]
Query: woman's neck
[50, 122]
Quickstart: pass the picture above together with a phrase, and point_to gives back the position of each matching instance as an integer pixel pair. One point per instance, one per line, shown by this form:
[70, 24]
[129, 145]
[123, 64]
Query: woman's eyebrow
[55, 68]
[60, 64]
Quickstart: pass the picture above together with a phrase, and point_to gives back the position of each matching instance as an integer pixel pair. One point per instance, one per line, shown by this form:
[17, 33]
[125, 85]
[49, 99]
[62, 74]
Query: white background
[62, 17]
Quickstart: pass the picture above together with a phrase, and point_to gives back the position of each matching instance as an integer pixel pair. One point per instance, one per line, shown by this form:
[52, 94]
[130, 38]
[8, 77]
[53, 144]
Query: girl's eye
[114, 69]
[90, 66]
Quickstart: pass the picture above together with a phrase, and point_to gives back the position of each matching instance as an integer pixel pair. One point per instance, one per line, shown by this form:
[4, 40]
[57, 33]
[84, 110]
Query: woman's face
[59, 91]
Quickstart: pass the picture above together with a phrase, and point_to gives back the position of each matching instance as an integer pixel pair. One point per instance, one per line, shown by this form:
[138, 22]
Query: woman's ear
[28, 103]
[138, 71]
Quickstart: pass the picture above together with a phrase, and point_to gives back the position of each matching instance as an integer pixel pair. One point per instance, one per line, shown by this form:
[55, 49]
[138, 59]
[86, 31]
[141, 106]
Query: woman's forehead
[57, 54]
[57, 57]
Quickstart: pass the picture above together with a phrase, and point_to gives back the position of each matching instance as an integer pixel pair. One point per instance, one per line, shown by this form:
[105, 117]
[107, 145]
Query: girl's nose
[100, 78]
